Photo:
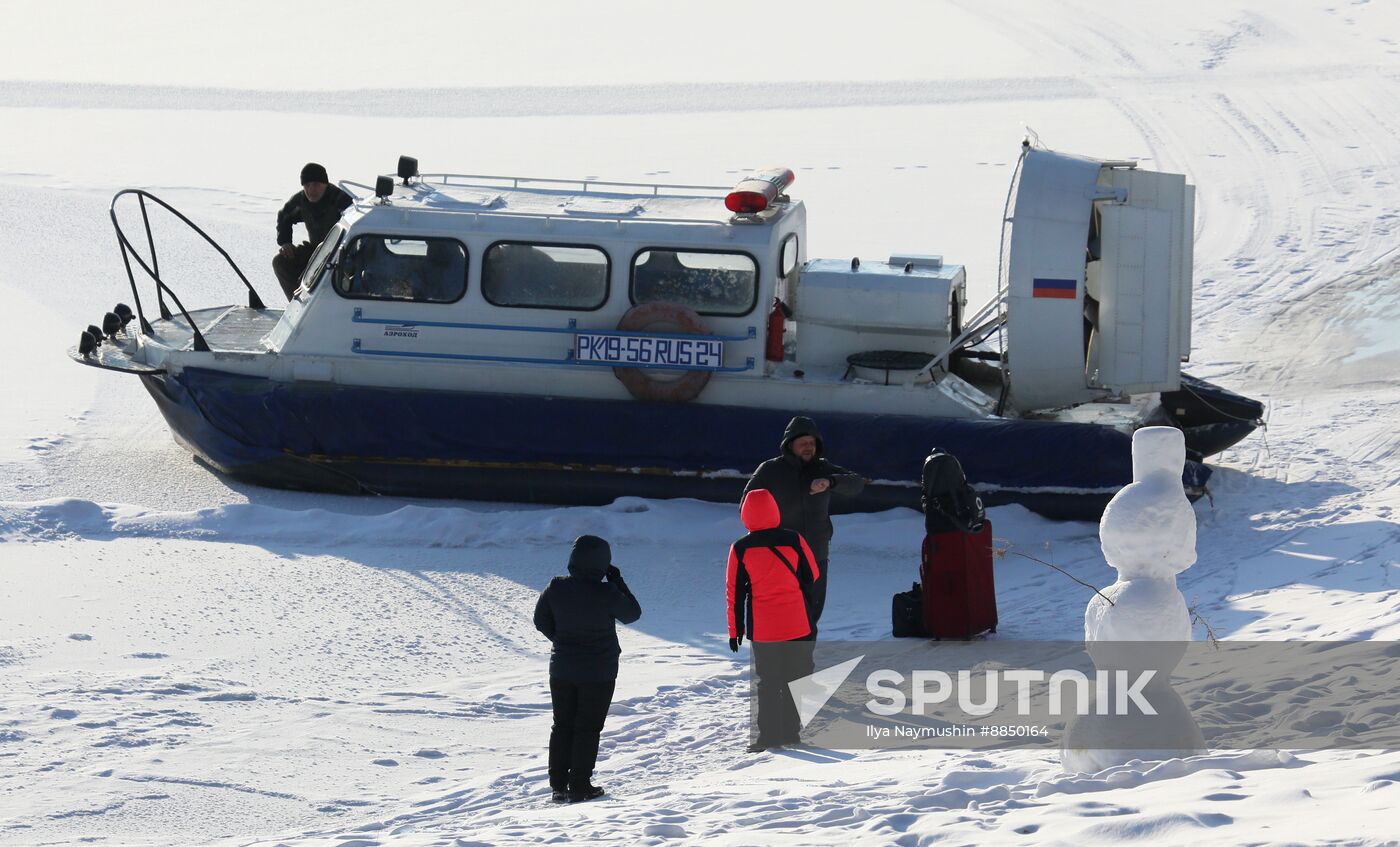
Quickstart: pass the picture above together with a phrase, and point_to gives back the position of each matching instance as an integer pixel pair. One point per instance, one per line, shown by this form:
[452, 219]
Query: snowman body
[1148, 533]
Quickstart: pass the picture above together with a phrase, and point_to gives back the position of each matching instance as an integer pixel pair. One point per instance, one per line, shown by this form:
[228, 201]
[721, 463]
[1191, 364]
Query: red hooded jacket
[772, 569]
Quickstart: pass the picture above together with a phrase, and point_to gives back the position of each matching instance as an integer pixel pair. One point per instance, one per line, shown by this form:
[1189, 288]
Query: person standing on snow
[578, 614]
[802, 481]
[767, 584]
[317, 205]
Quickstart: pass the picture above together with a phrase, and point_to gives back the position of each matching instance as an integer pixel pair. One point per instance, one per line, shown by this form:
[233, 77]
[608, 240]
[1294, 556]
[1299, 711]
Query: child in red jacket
[767, 590]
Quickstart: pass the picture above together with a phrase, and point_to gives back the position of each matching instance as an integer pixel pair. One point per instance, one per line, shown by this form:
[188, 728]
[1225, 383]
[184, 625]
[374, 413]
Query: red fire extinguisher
[776, 321]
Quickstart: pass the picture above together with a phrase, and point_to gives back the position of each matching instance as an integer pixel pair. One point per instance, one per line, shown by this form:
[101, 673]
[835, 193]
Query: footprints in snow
[229, 697]
[45, 443]
[1219, 47]
[427, 753]
[492, 707]
[115, 715]
[338, 807]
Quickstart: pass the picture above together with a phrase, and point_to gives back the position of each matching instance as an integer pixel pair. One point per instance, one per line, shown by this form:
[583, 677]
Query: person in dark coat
[578, 614]
[318, 206]
[767, 585]
[802, 481]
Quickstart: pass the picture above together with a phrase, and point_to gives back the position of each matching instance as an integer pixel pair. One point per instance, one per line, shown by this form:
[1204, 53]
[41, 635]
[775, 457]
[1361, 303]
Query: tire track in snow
[526, 101]
[1245, 215]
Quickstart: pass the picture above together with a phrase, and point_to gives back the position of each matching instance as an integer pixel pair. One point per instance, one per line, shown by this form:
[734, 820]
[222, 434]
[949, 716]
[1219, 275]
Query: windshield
[318, 261]
[390, 267]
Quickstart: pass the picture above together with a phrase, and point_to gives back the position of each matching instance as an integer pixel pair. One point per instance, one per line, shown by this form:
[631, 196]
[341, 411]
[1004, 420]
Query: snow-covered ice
[184, 659]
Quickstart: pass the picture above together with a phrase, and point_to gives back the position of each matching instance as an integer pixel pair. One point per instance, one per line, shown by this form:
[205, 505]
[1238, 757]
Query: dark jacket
[577, 612]
[790, 481]
[770, 570]
[319, 217]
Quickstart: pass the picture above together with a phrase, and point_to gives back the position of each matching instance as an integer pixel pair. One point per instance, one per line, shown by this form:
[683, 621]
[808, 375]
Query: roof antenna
[1032, 139]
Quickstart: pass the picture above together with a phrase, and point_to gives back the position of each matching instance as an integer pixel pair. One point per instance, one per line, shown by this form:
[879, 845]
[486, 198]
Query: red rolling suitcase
[959, 597]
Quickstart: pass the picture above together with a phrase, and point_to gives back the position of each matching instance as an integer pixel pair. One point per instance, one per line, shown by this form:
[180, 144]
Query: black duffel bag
[907, 614]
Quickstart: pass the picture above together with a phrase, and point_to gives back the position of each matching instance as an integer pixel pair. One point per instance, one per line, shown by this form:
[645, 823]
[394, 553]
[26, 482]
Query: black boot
[587, 792]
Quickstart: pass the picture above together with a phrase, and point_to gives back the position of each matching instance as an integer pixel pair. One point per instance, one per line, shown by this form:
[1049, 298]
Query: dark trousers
[579, 711]
[289, 270]
[816, 595]
[777, 663]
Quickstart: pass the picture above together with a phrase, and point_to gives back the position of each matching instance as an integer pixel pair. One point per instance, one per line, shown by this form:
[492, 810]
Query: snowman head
[1148, 530]
[1158, 448]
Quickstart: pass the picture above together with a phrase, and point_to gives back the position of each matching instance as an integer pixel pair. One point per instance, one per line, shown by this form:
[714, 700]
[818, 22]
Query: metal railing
[988, 319]
[582, 185]
[428, 184]
[153, 269]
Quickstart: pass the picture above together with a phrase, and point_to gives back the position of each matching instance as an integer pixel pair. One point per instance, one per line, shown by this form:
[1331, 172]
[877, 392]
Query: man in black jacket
[577, 613]
[802, 482]
[317, 205]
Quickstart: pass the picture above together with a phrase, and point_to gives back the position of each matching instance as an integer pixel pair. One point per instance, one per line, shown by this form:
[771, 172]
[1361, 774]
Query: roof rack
[548, 183]
[428, 184]
[583, 184]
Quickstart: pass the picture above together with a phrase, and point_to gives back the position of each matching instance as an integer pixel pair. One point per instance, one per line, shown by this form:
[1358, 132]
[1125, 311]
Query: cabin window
[787, 276]
[544, 276]
[322, 255]
[711, 283]
[789, 263]
[418, 270]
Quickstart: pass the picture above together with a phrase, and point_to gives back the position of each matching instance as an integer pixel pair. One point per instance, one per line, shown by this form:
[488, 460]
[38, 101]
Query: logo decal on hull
[400, 331]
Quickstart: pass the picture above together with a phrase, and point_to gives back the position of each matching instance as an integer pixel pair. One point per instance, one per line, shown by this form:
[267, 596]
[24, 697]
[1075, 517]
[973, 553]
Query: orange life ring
[658, 385]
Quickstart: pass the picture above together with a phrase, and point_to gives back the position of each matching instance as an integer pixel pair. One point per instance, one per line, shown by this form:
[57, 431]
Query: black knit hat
[314, 173]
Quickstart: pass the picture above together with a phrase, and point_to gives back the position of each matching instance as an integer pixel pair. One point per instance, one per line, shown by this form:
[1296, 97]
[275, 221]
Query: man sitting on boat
[317, 205]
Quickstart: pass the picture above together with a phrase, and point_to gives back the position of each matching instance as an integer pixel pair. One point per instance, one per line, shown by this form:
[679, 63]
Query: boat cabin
[515, 271]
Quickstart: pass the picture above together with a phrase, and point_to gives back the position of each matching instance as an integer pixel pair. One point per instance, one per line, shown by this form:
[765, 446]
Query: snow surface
[188, 660]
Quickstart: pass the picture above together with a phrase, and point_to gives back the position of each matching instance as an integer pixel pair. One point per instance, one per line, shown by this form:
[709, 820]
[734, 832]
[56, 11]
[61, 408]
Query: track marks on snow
[215, 784]
[1220, 46]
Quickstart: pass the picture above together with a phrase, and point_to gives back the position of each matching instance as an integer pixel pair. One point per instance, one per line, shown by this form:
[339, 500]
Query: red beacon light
[758, 190]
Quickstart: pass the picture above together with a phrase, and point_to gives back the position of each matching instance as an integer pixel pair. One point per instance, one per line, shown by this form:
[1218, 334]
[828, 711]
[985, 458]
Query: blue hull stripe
[235, 421]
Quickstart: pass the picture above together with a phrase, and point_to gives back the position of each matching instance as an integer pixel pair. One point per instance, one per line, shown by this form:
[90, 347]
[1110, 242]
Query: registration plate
[649, 351]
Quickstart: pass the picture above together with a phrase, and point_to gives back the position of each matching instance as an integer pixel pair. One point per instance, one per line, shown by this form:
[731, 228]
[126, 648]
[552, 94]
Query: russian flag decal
[1059, 289]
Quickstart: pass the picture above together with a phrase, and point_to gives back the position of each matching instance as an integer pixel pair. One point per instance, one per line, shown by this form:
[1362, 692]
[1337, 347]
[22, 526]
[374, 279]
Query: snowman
[1148, 533]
